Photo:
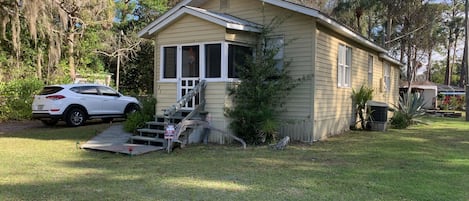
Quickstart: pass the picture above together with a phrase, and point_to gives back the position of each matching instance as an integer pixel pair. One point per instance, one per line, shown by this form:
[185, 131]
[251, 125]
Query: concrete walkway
[114, 139]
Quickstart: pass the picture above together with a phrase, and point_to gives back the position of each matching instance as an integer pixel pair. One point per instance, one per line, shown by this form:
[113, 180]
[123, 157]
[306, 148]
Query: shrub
[261, 92]
[146, 113]
[359, 99]
[399, 120]
[16, 98]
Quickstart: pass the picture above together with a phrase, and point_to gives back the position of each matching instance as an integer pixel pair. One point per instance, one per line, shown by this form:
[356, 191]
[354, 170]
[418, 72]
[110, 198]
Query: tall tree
[54, 27]
[352, 12]
[454, 26]
[135, 54]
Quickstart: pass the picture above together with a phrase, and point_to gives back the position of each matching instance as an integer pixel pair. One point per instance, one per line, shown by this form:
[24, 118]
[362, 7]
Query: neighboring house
[427, 89]
[203, 39]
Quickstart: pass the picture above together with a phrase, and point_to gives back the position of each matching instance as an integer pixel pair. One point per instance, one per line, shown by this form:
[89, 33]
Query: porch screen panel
[237, 56]
[190, 61]
[169, 62]
[213, 61]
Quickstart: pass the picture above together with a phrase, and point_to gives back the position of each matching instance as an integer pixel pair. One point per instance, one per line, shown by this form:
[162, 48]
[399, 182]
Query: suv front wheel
[131, 108]
[75, 117]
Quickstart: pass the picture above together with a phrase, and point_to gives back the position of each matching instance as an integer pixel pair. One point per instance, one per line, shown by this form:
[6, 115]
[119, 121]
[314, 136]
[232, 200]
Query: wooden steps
[153, 133]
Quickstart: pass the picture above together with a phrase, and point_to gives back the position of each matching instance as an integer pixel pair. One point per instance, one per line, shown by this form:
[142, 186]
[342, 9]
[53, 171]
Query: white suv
[76, 103]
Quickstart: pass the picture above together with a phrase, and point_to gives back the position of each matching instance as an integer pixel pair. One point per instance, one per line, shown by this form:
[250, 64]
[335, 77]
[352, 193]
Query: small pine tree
[262, 90]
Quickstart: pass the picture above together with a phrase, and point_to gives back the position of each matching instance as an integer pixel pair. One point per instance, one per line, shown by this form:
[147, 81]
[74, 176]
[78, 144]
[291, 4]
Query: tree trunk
[415, 64]
[453, 58]
[39, 64]
[388, 32]
[16, 38]
[370, 26]
[462, 76]
[448, 57]
[358, 14]
[409, 60]
[429, 66]
[71, 52]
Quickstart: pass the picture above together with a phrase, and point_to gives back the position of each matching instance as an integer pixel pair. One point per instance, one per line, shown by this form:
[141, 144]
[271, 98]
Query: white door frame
[184, 86]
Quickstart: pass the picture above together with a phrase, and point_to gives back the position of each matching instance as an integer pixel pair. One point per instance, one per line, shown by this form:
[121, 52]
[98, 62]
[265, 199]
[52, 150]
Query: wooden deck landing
[115, 139]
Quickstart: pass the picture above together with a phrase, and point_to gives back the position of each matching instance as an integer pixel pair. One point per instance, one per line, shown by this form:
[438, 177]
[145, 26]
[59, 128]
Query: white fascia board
[144, 33]
[241, 27]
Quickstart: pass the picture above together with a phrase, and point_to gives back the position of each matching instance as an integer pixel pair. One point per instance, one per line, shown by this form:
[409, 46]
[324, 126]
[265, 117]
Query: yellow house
[201, 40]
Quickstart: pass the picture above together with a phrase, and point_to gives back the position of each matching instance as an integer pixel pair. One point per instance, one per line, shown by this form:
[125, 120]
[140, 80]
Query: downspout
[155, 70]
[313, 81]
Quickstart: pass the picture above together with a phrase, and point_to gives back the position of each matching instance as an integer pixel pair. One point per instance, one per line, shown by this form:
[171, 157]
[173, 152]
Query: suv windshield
[50, 90]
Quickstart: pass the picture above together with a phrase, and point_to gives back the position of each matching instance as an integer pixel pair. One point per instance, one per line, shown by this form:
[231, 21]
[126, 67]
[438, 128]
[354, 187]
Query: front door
[190, 74]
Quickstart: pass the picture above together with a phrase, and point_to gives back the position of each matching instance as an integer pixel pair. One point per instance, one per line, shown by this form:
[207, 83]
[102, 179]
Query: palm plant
[359, 99]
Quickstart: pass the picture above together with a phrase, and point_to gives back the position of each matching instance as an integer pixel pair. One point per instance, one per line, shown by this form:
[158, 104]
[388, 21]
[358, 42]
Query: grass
[424, 162]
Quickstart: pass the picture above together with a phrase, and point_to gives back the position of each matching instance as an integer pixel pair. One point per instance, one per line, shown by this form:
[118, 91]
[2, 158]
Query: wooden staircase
[153, 132]
[184, 122]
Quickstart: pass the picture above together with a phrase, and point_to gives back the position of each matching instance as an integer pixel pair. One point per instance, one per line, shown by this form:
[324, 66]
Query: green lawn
[425, 162]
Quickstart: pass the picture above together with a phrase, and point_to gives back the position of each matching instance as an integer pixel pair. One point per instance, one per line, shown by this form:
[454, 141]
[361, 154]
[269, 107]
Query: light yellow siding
[190, 29]
[215, 97]
[166, 94]
[297, 30]
[333, 104]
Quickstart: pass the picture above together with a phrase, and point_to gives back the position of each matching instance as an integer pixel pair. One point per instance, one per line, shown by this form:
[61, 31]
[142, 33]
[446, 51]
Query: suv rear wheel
[75, 117]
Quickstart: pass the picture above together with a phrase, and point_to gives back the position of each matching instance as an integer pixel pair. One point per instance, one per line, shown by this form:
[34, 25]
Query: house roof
[449, 88]
[405, 84]
[231, 22]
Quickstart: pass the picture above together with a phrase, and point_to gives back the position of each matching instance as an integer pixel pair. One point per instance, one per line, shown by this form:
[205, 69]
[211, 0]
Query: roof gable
[221, 19]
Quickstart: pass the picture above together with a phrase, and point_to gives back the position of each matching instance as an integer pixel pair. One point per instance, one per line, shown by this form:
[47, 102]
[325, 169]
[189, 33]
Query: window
[387, 77]
[370, 70]
[169, 62]
[213, 61]
[236, 57]
[106, 91]
[277, 44]
[190, 61]
[344, 66]
[50, 90]
[89, 90]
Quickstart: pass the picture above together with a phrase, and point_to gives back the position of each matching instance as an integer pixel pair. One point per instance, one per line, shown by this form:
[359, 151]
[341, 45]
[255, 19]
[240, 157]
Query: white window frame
[202, 70]
[162, 78]
[387, 76]
[344, 66]
[203, 62]
[370, 70]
